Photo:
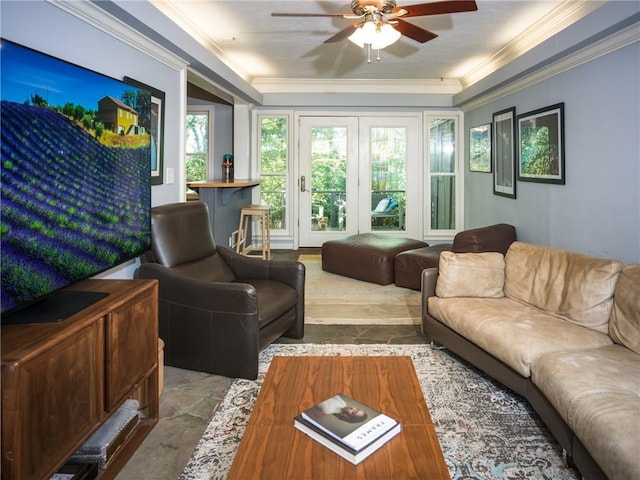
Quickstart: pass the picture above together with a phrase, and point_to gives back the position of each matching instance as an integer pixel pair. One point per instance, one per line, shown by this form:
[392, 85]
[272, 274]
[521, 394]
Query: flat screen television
[75, 180]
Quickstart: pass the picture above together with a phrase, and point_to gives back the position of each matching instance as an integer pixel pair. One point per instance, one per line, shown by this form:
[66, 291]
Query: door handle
[303, 182]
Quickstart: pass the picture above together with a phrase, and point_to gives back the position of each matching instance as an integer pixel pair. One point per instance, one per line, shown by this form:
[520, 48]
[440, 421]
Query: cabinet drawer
[51, 402]
[131, 345]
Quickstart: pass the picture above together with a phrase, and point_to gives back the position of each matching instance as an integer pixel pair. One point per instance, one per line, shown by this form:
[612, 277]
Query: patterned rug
[485, 431]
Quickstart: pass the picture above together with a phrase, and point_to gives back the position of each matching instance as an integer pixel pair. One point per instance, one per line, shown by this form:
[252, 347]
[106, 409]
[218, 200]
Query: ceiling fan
[385, 12]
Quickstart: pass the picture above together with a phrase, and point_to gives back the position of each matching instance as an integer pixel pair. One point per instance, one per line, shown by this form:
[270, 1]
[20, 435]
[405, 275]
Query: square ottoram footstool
[411, 263]
[366, 256]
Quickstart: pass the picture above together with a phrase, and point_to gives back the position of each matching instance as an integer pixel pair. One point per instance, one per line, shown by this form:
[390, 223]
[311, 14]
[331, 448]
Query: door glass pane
[273, 168]
[328, 178]
[197, 146]
[442, 164]
[388, 177]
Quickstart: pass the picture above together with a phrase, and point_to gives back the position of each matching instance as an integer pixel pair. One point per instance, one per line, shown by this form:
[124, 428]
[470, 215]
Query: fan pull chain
[378, 58]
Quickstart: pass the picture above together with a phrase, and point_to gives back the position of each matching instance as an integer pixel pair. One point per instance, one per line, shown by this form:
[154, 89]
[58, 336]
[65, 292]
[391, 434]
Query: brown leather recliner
[217, 308]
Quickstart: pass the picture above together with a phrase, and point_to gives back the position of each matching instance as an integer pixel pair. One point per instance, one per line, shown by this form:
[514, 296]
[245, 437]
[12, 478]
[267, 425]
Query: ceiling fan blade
[438, 8]
[342, 34]
[412, 31]
[308, 14]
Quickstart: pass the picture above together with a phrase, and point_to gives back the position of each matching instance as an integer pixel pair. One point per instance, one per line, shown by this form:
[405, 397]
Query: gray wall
[597, 212]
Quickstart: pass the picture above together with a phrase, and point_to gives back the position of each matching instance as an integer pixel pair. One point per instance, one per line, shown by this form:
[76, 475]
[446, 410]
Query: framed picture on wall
[152, 119]
[480, 148]
[504, 153]
[541, 145]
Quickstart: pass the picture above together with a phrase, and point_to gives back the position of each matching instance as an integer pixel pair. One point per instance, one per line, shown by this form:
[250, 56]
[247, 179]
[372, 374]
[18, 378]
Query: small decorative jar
[227, 167]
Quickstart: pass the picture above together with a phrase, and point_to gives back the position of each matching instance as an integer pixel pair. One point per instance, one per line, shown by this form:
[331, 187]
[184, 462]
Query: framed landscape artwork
[480, 148]
[153, 120]
[541, 145]
[504, 153]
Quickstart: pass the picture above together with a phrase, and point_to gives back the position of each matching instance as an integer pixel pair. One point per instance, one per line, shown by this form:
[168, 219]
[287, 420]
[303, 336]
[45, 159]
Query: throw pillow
[392, 204]
[470, 275]
[382, 205]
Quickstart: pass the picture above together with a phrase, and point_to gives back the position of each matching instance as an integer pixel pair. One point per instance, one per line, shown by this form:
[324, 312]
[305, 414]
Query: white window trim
[429, 233]
[210, 109]
[290, 182]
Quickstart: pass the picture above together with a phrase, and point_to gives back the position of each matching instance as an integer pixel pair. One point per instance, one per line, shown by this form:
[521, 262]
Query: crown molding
[554, 22]
[387, 86]
[621, 39]
[171, 10]
[98, 18]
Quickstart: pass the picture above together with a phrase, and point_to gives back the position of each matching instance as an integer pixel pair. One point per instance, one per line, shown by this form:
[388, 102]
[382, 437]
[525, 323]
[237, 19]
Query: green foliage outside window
[196, 167]
[273, 167]
[197, 146]
[328, 173]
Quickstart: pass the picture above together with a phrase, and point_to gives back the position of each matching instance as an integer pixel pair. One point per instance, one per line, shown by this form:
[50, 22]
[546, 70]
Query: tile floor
[189, 398]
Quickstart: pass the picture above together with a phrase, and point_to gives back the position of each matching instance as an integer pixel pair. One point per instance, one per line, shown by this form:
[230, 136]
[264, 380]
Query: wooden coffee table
[272, 448]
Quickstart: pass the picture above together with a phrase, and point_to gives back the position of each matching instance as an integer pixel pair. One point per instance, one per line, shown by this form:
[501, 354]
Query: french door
[328, 180]
[359, 174]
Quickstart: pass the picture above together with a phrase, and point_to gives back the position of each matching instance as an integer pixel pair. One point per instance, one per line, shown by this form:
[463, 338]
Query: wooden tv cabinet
[61, 381]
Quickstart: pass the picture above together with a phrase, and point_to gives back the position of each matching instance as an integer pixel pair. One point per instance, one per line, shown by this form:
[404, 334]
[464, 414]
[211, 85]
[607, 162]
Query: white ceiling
[263, 49]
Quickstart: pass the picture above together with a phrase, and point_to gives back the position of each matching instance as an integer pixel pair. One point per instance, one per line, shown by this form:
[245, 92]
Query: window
[198, 146]
[273, 151]
[443, 188]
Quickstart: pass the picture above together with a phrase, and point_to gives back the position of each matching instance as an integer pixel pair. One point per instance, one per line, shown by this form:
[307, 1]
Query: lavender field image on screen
[75, 173]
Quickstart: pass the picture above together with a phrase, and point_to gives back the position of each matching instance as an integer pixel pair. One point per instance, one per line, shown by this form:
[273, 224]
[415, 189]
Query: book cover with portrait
[349, 425]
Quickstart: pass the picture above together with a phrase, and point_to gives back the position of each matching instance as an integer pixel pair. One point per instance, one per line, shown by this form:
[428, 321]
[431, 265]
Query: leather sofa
[410, 263]
[217, 308]
[559, 328]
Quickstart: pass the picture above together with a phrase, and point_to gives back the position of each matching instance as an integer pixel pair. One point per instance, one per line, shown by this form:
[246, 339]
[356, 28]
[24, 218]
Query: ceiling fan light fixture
[364, 35]
[386, 35]
[378, 35]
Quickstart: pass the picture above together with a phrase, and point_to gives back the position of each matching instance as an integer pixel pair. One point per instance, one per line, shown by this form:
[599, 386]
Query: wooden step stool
[246, 213]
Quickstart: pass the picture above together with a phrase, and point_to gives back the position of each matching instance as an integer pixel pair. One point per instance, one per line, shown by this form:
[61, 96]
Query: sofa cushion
[514, 333]
[572, 286]
[470, 275]
[624, 326]
[597, 393]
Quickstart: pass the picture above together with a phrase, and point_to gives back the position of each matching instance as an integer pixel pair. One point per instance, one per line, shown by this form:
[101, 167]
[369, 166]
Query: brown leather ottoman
[409, 264]
[366, 256]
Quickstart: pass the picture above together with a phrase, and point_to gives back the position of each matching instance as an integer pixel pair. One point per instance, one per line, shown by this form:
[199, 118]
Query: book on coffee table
[348, 427]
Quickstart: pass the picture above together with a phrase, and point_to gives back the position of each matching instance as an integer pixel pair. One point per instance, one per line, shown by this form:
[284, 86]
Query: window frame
[199, 109]
[289, 182]
[458, 173]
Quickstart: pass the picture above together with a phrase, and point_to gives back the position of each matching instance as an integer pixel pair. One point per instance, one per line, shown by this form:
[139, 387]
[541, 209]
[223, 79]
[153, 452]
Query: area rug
[485, 431]
[333, 299]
